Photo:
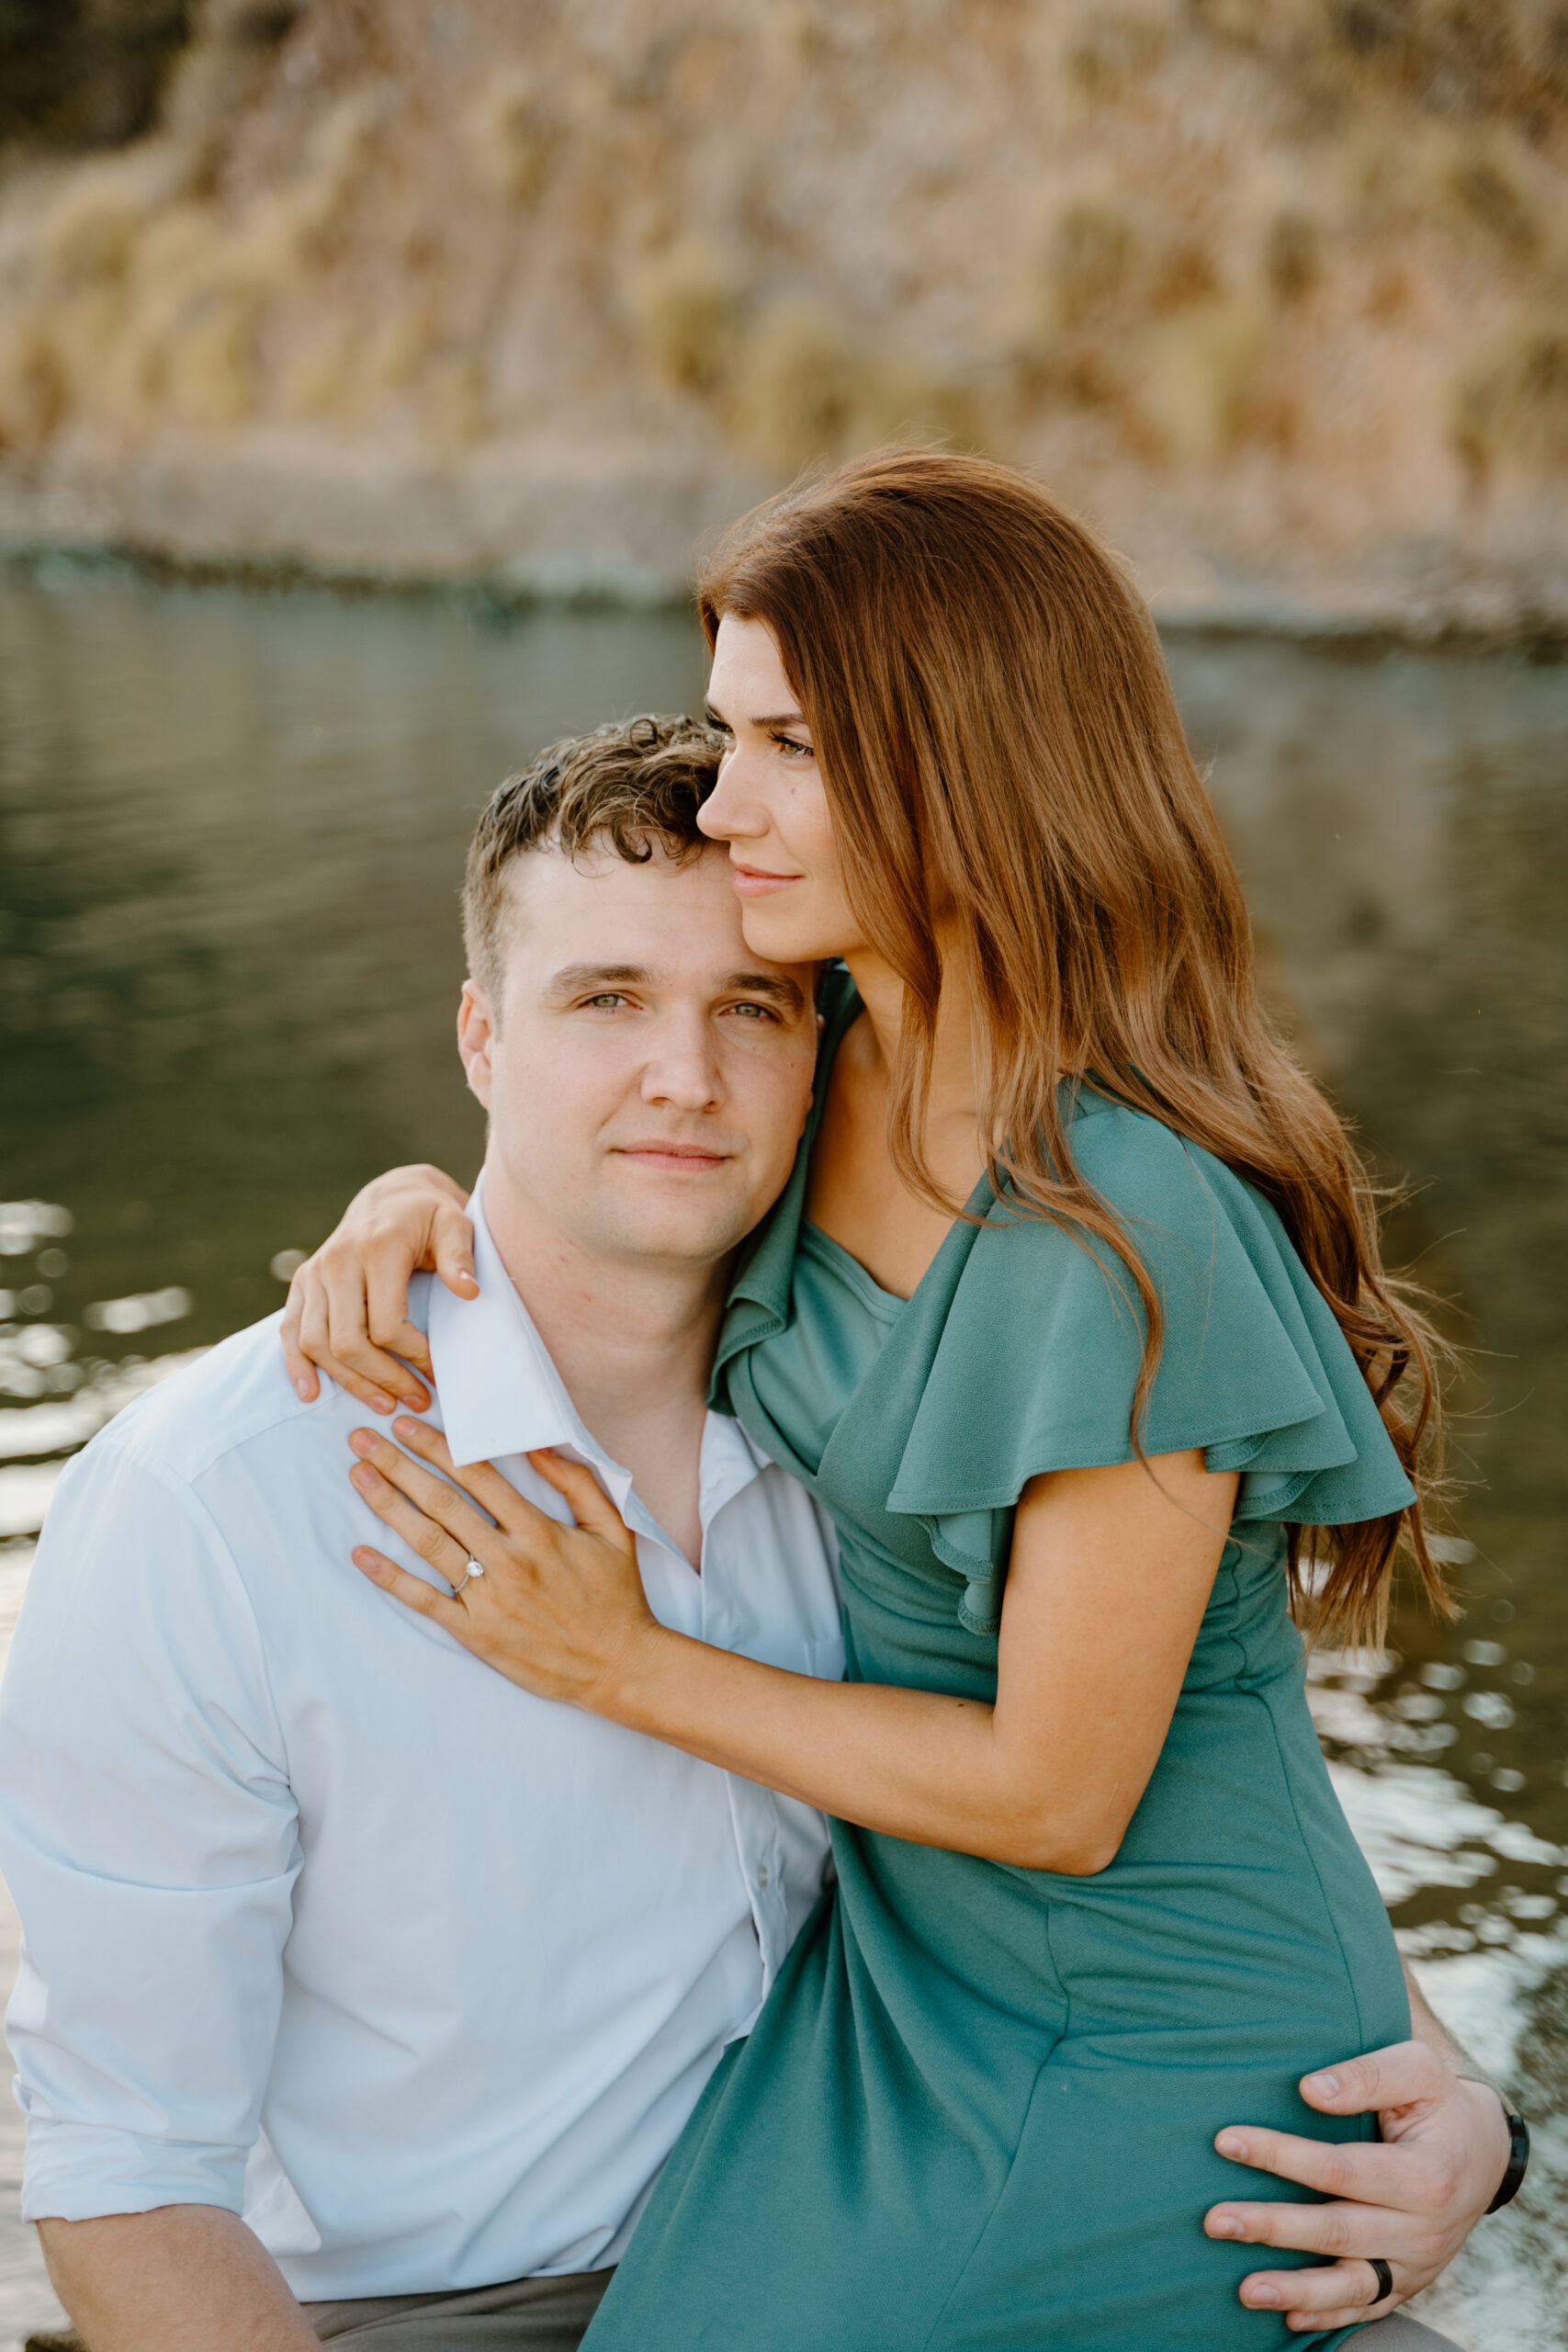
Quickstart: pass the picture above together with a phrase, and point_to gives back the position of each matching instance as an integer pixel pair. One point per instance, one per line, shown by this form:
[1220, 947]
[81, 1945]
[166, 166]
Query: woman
[1072, 1317]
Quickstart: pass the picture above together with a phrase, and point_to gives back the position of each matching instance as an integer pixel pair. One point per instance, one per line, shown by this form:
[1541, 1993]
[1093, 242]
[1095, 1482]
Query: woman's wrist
[636, 1684]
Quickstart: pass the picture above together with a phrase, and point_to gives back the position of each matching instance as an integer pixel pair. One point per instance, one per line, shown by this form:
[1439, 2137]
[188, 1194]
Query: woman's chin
[787, 934]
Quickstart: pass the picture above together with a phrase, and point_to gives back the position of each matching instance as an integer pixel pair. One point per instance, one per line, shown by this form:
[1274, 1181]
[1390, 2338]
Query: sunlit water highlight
[231, 831]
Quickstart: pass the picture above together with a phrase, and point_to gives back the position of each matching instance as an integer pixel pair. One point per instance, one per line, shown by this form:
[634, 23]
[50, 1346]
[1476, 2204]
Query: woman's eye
[791, 749]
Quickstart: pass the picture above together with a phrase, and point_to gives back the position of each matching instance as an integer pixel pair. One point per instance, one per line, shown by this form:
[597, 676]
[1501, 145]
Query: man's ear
[476, 1037]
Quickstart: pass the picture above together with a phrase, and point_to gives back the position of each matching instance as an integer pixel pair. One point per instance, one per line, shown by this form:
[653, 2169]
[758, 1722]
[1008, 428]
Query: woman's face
[771, 806]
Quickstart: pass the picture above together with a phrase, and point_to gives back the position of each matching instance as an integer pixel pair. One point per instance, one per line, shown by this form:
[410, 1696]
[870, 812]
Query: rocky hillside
[1277, 291]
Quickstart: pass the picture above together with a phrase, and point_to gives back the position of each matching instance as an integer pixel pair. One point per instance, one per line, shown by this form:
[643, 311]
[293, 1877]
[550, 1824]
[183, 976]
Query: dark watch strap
[1518, 2158]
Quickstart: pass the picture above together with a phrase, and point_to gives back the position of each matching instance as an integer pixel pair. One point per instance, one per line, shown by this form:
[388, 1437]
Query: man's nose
[684, 1072]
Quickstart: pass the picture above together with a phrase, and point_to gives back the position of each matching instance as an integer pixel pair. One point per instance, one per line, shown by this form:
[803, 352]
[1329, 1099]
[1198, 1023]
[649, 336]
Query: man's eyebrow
[771, 984]
[778, 718]
[573, 977]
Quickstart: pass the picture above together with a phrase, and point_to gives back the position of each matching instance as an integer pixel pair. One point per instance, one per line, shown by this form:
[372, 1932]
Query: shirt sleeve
[148, 1835]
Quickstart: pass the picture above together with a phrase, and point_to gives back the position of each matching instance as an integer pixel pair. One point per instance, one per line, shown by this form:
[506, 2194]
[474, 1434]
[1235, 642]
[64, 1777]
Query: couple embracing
[773, 1808]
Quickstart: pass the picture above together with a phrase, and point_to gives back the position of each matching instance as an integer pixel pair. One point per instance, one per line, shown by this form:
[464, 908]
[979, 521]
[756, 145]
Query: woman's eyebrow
[779, 718]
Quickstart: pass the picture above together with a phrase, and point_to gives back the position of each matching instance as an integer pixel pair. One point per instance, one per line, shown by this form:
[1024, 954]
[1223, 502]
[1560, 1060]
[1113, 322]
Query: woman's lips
[756, 882]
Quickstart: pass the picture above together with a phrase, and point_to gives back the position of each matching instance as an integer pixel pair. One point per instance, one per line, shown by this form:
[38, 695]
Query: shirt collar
[501, 1393]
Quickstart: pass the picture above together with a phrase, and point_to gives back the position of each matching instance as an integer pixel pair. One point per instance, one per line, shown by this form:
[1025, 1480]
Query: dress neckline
[759, 1302]
[886, 1304]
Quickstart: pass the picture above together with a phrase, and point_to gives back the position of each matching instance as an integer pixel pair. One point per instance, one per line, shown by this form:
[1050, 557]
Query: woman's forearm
[915, 1764]
[1108, 1576]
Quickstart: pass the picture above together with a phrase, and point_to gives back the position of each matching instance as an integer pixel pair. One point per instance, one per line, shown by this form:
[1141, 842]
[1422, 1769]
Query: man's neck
[632, 1341]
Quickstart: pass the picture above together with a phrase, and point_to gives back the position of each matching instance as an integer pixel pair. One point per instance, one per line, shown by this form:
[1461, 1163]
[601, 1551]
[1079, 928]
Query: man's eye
[755, 1011]
[606, 1002]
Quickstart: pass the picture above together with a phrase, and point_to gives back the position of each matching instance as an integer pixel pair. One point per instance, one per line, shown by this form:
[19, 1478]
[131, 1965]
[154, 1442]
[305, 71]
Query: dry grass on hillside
[1322, 242]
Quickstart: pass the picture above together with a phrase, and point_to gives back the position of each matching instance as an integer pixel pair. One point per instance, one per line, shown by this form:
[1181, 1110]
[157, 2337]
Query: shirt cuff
[76, 2172]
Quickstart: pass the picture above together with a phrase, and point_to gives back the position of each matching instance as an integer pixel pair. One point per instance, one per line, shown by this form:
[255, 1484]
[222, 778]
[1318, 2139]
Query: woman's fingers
[560, 1610]
[590, 1505]
[301, 1371]
[387, 1263]
[445, 1553]
[388, 1327]
[480, 1479]
[412, 1591]
[344, 1275]
[591, 1509]
[434, 1519]
[314, 1340]
[452, 1238]
[353, 1300]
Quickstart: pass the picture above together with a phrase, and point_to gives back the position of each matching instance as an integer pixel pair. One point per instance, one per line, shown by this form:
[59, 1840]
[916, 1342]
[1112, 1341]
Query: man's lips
[684, 1158]
[757, 881]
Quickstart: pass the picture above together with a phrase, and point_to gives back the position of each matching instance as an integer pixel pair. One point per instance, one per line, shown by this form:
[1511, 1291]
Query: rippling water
[232, 828]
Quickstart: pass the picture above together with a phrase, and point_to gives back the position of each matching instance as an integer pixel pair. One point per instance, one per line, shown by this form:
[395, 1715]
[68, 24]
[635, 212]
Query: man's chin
[687, 1232]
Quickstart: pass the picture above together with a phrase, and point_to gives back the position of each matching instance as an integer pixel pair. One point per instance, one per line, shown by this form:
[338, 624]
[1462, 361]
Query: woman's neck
[952, 1132]
[855, 1194]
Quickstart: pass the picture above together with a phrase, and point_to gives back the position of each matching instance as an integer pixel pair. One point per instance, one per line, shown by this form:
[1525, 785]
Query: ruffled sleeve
[1036, 1343]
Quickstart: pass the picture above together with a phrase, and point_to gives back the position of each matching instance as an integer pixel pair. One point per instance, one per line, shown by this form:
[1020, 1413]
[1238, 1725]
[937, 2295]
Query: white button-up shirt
[325, 1921]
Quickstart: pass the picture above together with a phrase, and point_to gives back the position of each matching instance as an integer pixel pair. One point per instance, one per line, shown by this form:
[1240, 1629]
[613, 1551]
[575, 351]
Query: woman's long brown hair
[996, 733]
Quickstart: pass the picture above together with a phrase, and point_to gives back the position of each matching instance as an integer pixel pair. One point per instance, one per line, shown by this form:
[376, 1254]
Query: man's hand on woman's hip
[1406, 2203]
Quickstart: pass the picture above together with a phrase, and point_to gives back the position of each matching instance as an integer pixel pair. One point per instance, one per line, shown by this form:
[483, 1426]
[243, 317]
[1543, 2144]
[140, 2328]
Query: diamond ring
[474, 1568]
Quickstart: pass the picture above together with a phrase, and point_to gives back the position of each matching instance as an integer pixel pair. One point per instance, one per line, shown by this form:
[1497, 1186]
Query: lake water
[231, 828]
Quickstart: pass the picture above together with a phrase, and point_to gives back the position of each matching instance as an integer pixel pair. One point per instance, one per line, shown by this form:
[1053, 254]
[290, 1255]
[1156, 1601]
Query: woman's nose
[730, 812]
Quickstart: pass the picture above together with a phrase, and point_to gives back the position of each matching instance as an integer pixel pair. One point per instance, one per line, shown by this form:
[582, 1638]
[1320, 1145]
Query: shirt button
[762, 1875]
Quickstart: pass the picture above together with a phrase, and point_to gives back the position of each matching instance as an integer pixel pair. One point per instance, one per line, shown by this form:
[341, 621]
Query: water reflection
[1403, 830]
[230, 833]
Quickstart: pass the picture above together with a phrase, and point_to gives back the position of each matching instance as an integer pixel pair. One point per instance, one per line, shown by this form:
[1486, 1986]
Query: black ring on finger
[1382, 2273]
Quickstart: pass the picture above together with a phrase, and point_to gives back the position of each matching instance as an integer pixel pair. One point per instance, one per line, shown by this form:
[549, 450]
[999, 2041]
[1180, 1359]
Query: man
[365, 1995]
[352, 1974]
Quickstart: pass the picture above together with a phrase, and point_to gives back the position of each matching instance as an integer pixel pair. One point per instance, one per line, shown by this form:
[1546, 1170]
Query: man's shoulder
[235, 1396]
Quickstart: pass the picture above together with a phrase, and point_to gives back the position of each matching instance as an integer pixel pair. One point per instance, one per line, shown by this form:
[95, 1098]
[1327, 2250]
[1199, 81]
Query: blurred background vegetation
[1276, 283]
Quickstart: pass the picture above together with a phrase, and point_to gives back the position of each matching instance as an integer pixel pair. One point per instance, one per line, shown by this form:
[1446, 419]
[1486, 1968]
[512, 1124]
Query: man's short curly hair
[634, 787]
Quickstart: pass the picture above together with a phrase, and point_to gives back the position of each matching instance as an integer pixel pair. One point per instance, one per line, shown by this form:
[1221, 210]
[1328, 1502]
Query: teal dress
[977, 2112]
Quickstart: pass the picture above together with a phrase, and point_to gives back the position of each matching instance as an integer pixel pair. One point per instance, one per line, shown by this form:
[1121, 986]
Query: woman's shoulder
[1042, 1333]
[1142, 1165]
[1192, 1220]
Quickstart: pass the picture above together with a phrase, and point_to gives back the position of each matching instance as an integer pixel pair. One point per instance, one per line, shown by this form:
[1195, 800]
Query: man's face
[649, 1078]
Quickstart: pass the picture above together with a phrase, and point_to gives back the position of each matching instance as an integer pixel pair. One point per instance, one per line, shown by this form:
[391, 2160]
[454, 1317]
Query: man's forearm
[182, 2279]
